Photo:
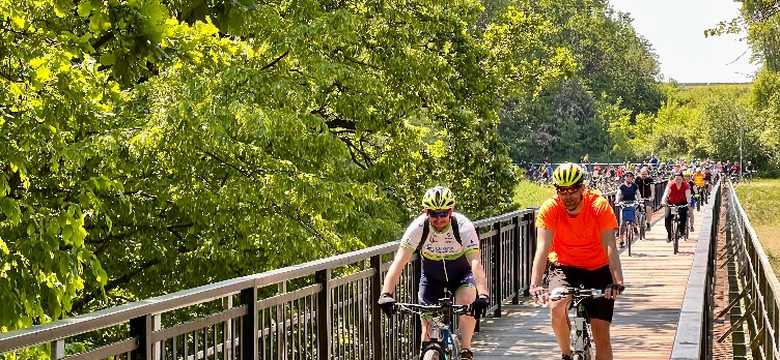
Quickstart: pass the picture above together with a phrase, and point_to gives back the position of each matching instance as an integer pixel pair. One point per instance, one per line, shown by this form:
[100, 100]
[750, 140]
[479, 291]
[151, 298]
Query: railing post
[57, 349]
[377, 342]
[322, 277]
[249, 325]
[140, 328]
[497, 293]
[530, 242]
[517, 258]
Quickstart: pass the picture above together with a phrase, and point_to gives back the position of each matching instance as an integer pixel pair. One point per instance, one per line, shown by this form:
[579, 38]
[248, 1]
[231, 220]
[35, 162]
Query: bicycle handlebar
[418, 309]
[560, 292]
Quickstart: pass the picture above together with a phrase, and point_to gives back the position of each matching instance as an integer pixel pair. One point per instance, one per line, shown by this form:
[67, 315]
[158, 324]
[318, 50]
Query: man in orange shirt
[576, 233]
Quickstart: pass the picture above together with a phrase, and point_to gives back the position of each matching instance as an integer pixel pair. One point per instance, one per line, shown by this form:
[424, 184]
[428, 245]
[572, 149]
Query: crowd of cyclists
[576, 241]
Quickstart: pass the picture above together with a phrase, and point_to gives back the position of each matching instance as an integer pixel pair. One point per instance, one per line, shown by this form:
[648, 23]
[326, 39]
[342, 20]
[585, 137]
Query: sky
[675, 28]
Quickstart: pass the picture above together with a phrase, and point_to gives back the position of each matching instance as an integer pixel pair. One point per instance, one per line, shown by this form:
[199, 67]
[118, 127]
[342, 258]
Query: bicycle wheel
[674, 235]
[642, 226]
[698, 204]
[629, 237]
[433, 354]
[587, 354]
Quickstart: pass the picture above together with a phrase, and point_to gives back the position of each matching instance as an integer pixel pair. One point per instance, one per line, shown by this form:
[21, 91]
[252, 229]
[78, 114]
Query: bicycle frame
[627, 226]
[677, 224]
[581, 341]
[441, 316]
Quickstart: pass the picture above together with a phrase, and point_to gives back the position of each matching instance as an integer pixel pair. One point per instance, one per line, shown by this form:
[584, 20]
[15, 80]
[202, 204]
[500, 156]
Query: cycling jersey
[628, 191]
[677, 196]
[577, 240]
[442, 249]
[698, 179]
[645, 185]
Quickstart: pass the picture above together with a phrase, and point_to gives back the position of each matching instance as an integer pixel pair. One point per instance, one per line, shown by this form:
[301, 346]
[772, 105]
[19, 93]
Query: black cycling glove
[616, 288]
[479, 306]
[387, 304]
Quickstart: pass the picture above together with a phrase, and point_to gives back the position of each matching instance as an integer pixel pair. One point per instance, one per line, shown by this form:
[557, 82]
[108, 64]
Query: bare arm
[544, 239]
[665, 196]
[402, 257]
[608, 243]
[688, 195]
[475, 259]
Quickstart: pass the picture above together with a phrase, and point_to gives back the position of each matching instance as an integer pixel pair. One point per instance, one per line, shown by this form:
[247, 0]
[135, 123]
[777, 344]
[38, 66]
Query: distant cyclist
[646, 191]
[678, 192]
[449, 261]
[627, 191]
[576, 237]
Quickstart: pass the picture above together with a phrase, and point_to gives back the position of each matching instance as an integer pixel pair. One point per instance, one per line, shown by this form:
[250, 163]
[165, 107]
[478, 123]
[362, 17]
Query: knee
[558, 309]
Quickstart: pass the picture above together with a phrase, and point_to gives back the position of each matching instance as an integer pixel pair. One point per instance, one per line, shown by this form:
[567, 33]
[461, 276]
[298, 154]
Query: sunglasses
[438, 214]
[562, 191]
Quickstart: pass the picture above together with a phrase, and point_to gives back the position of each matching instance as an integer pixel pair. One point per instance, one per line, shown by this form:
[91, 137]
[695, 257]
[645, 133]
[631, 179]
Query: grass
[761, 201]
[529, 194]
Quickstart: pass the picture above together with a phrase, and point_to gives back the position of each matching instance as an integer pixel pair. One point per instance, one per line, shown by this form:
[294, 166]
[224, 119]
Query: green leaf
[107, 59]
[11, 210]
[84, 9]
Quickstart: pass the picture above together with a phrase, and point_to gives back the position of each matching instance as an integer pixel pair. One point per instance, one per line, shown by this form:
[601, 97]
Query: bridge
[326, 309]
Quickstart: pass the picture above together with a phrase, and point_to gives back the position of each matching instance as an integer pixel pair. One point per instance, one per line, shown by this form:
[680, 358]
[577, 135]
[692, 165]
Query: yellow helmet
[568, 174]
[438, 198]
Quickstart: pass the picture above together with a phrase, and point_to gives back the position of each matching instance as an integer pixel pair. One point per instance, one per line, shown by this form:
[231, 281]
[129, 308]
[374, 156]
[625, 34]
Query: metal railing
[757, 281]
[693, 339]
[324, 309]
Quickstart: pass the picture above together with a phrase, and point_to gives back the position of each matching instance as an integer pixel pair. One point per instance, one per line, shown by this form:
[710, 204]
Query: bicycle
[627, 217]
[444, 343]
[677, 231]
[641, 218]
[582, 346]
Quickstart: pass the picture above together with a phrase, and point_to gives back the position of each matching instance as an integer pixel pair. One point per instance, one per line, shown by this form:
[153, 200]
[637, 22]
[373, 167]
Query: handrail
[101, 319]
[321, 314]
[693, 339]
[759, 284]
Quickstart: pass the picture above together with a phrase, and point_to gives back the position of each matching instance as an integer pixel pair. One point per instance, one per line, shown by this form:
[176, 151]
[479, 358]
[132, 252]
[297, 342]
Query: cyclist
[627, 192]
[576, 233]
[449, 261]
[750, 169]
[678, 192]
[647, 191]
[692, 203]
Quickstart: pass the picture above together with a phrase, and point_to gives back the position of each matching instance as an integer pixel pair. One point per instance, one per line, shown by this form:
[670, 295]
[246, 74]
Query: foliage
[529, 194]
[150, 146]
[613, 64]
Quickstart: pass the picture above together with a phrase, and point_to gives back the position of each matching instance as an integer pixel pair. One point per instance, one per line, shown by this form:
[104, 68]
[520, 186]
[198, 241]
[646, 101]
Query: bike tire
[698, 205]
[433, 354]
[676, 239]
[629, 238]
[674, 235]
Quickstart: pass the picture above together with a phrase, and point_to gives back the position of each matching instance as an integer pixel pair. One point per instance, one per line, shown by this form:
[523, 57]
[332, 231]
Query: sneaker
[668, 239]
[466, 354]
[636, 231]
[622, 244]
[566, 357]
[648, 226]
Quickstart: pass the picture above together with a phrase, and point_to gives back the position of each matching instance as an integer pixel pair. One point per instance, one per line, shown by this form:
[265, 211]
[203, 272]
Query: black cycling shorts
[597, 308]
[431, 289]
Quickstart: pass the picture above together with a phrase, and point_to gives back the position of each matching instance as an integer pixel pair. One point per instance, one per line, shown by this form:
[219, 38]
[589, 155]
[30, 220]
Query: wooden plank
[645, 318]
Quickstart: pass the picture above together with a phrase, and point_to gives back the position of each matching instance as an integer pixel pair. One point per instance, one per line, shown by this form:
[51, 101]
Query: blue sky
[676, 31]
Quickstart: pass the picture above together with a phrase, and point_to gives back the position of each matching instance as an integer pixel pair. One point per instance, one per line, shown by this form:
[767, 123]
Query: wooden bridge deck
[645, 317]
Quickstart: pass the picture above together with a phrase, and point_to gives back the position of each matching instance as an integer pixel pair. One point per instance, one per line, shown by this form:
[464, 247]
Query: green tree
[151, 146]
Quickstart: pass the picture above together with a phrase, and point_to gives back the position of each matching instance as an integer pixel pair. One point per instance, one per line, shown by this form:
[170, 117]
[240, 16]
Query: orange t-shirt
[577, 240]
